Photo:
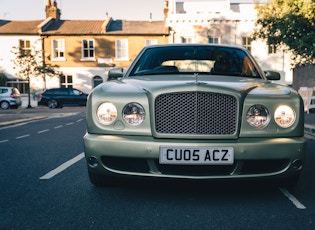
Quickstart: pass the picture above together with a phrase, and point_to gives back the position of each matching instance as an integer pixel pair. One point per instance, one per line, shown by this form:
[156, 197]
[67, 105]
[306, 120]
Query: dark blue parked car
[59, 97]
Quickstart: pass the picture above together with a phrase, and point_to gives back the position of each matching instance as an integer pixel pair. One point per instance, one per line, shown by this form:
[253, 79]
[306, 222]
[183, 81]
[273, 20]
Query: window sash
[122, 49]
[214, 40]
[25, 46]
[66, 81]
[88, 49]
[58, 48]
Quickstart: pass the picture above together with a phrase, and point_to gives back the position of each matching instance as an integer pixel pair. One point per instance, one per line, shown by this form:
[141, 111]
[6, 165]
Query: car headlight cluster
[258, 116]
[284, 116]
[106, 113]
[133, 114]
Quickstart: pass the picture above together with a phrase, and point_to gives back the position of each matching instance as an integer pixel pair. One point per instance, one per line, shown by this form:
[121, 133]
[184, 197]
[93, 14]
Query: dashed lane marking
[27, 135]
[62, 167]
[43, 131]
[292, 198]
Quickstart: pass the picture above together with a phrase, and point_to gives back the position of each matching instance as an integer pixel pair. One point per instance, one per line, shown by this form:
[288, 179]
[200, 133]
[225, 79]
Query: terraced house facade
[84, 50]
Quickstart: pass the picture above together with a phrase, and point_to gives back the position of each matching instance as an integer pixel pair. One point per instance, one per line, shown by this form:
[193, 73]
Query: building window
[214, 40]
[272, 49]
[97, 80]
[88, 49]
[122, 49]
[180, 8]
[149, 42]
[247, 43]
[25, 47]
[187, 40]
[58, 49]
[66, 81]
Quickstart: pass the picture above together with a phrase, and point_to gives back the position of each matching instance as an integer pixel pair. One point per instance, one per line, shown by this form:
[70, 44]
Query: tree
[289, 23]
[30, 64]
[3, 79]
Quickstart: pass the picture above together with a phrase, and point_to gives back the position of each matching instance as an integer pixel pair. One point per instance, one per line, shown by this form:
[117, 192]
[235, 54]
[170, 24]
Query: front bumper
[139, 156]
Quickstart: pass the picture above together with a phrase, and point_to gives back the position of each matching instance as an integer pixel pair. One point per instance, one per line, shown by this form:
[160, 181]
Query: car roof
[195, 44]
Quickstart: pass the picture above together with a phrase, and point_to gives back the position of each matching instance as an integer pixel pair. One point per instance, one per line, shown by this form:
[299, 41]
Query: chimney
[166, 9]
[52, 10]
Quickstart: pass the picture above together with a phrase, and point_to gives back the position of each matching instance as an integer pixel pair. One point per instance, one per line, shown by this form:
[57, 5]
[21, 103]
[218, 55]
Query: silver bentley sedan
[194, 111]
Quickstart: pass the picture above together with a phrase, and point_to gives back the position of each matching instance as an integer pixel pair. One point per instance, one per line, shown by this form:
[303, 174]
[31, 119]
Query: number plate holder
[197, 155]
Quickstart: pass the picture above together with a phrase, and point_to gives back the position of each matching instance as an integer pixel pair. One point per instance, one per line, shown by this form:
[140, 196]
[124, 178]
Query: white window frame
[121, 50]
[88, 49]
[247, 43]
[25, 46]
[66, 83]
[215, 40]
[58, 49]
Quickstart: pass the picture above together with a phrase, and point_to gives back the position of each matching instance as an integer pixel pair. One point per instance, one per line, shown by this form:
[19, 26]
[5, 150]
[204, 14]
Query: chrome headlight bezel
[133, 114]
[258, 116]
[284, 116]
[106, 113]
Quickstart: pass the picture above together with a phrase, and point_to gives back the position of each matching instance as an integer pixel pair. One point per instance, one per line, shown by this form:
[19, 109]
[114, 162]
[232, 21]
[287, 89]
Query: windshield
[211, 60]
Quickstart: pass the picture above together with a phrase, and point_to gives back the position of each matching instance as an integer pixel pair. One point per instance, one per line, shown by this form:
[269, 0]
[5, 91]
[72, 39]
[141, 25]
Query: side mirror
[272, 75]
[115, 73]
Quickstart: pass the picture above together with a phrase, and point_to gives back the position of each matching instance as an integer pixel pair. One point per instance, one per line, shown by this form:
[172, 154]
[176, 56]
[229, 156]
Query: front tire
[100, 180]
[52, 104]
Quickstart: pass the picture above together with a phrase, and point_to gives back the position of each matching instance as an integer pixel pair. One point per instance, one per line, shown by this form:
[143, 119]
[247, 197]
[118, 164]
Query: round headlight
[106, 113]
[133, 114]
[258, 116]
[284, 116]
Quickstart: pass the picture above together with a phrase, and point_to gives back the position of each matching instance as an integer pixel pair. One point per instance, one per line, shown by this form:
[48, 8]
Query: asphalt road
[44, 185]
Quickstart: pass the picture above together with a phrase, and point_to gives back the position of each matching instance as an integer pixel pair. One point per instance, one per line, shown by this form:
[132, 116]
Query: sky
[84, 9]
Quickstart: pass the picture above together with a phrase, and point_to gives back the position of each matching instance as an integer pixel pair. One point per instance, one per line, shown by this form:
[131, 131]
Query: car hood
[161, 84]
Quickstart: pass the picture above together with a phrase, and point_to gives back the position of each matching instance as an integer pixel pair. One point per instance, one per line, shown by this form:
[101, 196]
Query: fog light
[93, 162]
[297, 164]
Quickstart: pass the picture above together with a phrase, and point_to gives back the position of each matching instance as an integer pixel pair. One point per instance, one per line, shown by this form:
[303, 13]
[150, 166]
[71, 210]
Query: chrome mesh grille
[203, 113]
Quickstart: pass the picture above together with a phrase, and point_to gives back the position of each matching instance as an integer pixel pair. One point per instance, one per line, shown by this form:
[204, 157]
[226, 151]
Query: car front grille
[201, 113]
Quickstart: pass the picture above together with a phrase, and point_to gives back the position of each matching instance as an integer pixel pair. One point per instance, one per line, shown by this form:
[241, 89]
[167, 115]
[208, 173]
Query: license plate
[197, 156]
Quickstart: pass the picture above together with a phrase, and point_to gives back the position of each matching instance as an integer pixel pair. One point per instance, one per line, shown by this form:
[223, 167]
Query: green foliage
[30, 64]
[290, 23]
[3, 79]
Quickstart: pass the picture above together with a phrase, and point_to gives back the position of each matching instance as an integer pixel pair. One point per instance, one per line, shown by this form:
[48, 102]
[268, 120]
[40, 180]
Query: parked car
[10, 97]
[59, 97]
[195, 111]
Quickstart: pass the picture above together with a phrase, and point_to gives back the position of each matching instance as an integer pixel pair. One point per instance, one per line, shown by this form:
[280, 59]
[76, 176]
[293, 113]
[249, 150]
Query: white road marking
[4, 141]
[71, 123]
[27, 135]
[79, 120]
[292, 198]
[58, 127]
[62, 167]
[43, 131]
